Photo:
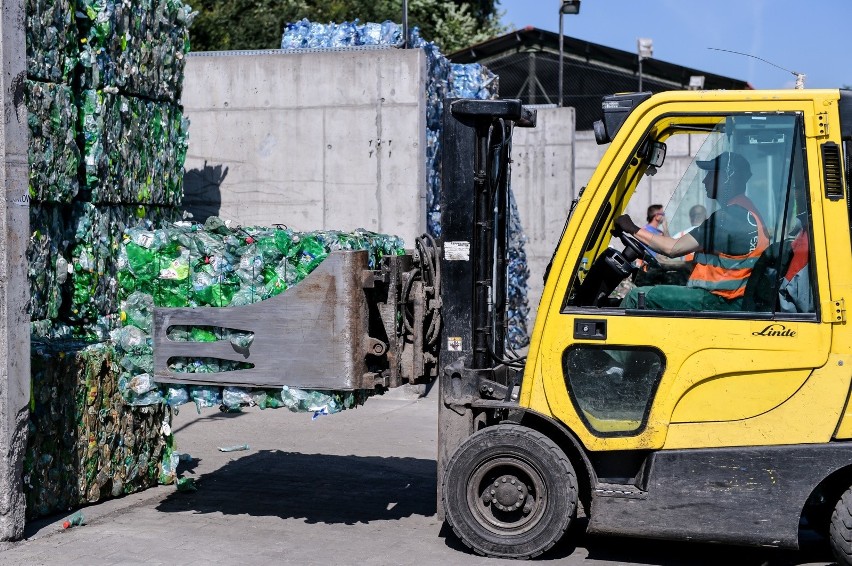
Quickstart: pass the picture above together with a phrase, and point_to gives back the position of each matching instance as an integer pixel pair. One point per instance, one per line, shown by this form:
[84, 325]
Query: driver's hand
[624, 224]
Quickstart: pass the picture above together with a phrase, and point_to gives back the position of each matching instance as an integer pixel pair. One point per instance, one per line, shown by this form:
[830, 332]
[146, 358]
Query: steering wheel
[630, 241]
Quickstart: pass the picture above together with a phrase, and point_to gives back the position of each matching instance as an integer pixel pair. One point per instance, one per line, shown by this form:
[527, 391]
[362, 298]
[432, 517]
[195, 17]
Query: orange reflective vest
[726, 275]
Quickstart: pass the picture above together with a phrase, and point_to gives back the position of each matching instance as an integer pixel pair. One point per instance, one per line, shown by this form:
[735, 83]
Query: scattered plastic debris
[186, 484]
[237, 448]
[74, 520]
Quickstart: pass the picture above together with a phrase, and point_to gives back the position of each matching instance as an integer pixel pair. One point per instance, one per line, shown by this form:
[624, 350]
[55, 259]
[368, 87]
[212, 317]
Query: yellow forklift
[725, 420]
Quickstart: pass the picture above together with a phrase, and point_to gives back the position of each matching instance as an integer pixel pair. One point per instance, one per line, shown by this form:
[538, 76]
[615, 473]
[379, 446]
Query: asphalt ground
[357, 487]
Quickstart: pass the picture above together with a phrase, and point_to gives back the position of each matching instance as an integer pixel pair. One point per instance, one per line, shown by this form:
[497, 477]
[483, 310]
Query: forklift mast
[476, 150]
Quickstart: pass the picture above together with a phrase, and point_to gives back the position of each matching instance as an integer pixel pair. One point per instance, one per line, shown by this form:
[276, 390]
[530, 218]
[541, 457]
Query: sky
[803, 36]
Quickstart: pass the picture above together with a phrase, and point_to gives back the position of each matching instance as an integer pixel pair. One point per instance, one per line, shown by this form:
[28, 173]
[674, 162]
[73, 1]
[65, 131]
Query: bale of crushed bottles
[51, 34]
[96, 234]
[134, 149]
[137, 48]
[107, 147]
[444, 80]
[305, 34]
[518, 273]
[73, 265]
[217, 265]
[47, 260]
[53, 155]
[84, 444]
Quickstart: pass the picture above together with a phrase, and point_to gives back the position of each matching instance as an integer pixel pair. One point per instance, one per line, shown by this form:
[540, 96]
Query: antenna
[800, 77]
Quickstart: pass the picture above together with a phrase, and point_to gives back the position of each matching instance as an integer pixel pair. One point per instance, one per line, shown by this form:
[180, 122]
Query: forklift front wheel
[509, 492]
[840, 531]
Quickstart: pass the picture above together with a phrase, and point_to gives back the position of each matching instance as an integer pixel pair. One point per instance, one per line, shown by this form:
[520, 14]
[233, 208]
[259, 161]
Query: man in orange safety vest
[726, 245]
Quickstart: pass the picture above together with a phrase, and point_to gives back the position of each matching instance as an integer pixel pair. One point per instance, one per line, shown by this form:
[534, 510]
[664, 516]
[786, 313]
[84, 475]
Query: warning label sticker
[454, 344]
[457, 251]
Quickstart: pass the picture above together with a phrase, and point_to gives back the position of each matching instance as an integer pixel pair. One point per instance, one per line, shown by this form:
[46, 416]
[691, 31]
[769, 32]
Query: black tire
[840, 531]
[479, 496]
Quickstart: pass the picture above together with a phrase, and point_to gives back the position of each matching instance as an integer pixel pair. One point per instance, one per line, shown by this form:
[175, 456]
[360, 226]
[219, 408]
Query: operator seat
[761, 287]
[764, 283]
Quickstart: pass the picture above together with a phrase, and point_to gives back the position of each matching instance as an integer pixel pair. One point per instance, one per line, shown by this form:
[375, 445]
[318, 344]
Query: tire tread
[523, 434]
[840, 530]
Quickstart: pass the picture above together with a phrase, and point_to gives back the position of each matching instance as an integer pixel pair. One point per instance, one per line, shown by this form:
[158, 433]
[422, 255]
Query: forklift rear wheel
[841, 529]
[509, 492]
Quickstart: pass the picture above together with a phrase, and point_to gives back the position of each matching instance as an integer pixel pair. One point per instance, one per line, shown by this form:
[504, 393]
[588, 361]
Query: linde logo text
[775, 330]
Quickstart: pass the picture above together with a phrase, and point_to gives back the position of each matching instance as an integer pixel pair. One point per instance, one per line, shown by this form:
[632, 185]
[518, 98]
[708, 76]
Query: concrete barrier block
[328, 140]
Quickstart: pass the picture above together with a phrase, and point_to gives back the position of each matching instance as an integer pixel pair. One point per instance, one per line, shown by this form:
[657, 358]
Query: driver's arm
[667, 245]
[659, 243]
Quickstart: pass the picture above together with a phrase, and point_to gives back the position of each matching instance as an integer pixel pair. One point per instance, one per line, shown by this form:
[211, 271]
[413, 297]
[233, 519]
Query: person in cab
[726, 245]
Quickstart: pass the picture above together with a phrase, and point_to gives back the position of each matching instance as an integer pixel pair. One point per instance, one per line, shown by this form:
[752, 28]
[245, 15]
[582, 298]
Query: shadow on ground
[619, 550]
[667, 553]
[318, 488]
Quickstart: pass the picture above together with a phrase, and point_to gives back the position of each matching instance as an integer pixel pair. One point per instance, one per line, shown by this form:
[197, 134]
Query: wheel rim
[507, 495]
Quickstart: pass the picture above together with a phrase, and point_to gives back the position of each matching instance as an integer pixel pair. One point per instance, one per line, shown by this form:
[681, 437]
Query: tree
[223, 25]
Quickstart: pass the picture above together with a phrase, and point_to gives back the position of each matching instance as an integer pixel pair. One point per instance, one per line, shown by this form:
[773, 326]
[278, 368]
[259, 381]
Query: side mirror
[657, 155]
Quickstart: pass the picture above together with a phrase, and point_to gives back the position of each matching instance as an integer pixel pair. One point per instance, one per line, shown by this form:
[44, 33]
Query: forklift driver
[727, 245]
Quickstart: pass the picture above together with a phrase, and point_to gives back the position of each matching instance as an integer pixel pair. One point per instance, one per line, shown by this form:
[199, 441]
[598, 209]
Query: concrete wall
[313, 140]
[14, 288]
[543, 183]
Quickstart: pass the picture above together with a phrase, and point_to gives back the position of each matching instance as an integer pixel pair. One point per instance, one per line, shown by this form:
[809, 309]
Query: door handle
[588, 329]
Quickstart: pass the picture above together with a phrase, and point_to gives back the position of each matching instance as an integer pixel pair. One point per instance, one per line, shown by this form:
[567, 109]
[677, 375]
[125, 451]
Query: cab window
[731, 191]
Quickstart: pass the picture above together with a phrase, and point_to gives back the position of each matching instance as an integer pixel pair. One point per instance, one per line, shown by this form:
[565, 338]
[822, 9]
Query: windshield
[767, 144]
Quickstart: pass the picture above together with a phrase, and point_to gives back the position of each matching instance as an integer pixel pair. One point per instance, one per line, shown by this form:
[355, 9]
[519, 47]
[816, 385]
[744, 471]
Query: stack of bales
[108, 143]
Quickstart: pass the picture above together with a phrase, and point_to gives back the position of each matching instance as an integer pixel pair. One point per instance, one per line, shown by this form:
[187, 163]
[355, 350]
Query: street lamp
[645, 48]
[567, 7]
[405, 24]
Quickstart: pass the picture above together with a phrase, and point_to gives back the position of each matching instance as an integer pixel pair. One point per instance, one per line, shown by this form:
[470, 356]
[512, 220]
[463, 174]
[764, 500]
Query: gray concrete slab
[14, 289]
[353, 488]
[315, 140]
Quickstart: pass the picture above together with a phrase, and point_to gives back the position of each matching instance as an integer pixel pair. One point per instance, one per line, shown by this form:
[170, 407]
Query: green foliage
[258, 24]
[454, 25]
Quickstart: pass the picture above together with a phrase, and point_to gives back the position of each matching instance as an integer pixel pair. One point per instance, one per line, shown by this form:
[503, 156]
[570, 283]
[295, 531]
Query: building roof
[527, 62]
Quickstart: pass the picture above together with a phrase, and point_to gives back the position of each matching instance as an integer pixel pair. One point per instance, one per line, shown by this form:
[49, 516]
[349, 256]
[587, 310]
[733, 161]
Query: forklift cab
[624, 375]
[768, 146]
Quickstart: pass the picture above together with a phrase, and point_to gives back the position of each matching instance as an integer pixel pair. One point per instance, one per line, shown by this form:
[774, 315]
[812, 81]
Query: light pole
[645, 48]
[567, 7]
[405, 24]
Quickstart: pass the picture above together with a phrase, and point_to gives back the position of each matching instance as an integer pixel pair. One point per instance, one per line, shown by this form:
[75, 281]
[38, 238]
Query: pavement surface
[353, 488]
